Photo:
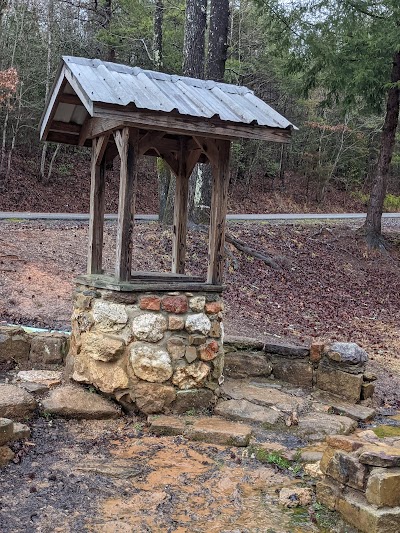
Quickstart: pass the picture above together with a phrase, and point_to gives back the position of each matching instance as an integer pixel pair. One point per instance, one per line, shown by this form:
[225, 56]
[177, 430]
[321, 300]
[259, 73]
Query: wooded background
[328, 66]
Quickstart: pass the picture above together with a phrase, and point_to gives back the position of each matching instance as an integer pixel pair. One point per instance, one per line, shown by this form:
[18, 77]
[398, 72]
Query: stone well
[155, 352]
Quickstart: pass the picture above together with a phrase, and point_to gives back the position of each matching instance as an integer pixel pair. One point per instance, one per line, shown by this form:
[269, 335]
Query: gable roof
[100, 84]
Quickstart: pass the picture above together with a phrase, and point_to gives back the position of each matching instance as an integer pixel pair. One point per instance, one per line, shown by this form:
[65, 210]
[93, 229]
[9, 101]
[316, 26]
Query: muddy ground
[329, 288]
[113, 477]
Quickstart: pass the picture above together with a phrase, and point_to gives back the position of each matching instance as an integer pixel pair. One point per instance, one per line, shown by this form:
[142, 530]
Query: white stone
[109, 316]
[191, 376]
[197, 304]
[42, 377]
[149, 327]
[198, 323]
[150, 363]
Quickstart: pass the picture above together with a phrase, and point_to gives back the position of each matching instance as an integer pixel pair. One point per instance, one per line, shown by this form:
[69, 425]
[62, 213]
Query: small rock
[197, 340]
[213, 308]
[109, 316]
[198, 323]
[176, 347]
[345, 443]
[191, 376]
[21, 431]
[150, 363]
[153, 397]
[192, 399]
[367, 391]
[48, 378]
[208, 351]
[176, 323]
[6, 455]
[174, 304]
[197, 304]
[316, 350]
[73, 402]
[346, 352]
[315, 427]
[149, 327]
[190, 354]
[295, 497]
[15, 402]
[384, 456]
[150, 303]
[313, 470]
[101, 347]
[6, 430]
[369, 376]
[48, 348]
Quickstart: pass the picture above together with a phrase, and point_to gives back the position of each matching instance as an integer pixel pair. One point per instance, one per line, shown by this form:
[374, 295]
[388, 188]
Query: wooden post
[219, 202]
[180, 213]
[96, 220]
[127, 148]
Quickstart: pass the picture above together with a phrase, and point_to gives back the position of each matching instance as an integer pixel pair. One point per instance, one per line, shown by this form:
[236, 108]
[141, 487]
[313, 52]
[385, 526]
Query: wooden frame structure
[75, 115]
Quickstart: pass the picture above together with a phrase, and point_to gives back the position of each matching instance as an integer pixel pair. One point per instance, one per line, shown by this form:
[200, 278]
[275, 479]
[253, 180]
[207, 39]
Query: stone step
[262, 395]
[317, 426]
[354, 411]
[249, 412]
[213, 430]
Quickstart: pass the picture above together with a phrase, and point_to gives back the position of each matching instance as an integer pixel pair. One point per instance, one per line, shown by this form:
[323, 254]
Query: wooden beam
[126, 208]
[67, 127]
[72, 99]
[117, 117]
[209, 148]
[180, 213]
[64, 138]
[150, 140]
[96, 219]
[84, 132]
[52, 104]
[219, 202]
[100, 147]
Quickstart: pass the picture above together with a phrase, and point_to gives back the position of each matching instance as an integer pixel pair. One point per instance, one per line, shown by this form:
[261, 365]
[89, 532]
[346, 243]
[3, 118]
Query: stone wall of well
[153, 352]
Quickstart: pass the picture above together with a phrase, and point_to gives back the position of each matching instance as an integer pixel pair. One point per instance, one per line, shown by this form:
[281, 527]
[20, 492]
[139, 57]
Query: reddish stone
[212, 308]
[151, 303]
[209, 351]
[316, 350]
[175, 304]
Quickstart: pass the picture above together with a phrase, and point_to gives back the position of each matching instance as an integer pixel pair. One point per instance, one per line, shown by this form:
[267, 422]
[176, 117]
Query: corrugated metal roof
[113, 83]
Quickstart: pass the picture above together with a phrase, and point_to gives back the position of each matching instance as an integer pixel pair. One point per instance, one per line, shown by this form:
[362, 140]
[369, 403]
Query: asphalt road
[7, 215]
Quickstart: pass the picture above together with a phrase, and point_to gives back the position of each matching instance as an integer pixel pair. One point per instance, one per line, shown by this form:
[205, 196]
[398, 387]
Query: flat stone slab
[248, 412]
[15, 402]
[213, 430]
[354, 411]
[246, 364]
[266, 396]
[48, 378]
[316, 426]
[384, 456]
[70, 401]
[6, 430]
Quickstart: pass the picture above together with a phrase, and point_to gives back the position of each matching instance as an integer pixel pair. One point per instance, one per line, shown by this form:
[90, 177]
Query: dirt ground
[330, 287]
[113, 477]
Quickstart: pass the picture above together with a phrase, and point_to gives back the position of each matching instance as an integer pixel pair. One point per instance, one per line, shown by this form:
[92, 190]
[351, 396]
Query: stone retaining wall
[154, 352]
[361, 481]
[30, 350]
[337, 368]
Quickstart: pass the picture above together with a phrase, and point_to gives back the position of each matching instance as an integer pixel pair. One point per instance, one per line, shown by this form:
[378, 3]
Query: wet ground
[114, 477]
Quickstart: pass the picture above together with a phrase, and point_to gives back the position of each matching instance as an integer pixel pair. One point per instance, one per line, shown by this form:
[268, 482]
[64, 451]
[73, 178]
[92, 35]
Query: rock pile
[156, 352]
[361, 480]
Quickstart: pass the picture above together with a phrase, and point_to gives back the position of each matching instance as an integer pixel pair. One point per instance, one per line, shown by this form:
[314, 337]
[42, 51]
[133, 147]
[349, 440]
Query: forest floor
[69, 187]
[329, 288]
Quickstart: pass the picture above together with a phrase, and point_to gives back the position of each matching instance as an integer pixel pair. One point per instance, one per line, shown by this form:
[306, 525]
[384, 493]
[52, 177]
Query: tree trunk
[50, 17]
[218, 39]
[107, 11]
[158, 35]
[194, 40]
[373, 223]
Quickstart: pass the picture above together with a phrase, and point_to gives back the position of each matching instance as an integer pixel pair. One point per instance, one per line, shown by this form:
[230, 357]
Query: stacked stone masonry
[154, 353]
[362, 482]
[338, 369]
[30, 350]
